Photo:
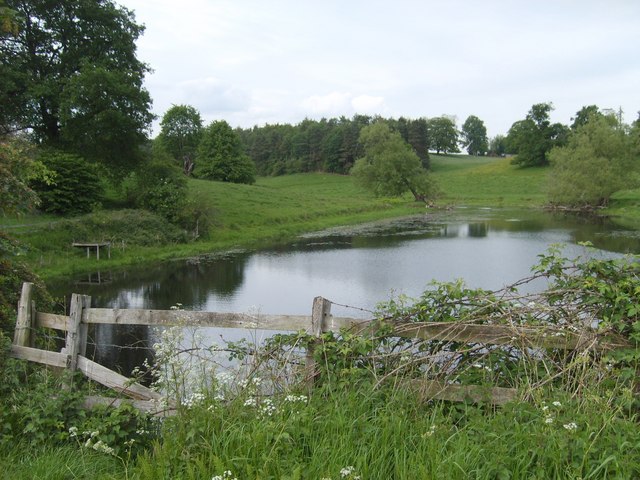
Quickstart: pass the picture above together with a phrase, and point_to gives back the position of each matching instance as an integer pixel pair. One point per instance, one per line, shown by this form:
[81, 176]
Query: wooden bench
[96, 245]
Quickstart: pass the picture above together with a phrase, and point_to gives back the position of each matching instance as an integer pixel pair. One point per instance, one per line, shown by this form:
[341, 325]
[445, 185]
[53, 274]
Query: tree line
[326, 145]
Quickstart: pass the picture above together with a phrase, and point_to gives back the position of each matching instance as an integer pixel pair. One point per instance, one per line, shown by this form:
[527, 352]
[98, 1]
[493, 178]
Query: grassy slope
[488, 181]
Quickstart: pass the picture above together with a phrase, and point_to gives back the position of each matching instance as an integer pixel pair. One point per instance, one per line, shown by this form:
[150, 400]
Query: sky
[257, 62]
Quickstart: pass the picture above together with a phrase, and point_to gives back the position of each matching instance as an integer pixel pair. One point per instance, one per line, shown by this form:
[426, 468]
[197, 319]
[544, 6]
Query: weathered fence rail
[73, 355]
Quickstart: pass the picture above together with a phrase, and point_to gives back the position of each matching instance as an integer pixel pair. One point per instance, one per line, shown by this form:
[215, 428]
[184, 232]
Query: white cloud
[253, 62]
[330, 104]
[212, 96]
[368, 104]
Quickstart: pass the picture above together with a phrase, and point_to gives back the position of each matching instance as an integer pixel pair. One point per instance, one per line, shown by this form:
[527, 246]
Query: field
[488, 181]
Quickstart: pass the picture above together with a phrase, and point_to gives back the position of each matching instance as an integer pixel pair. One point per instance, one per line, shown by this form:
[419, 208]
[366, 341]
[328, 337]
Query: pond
[353, 267]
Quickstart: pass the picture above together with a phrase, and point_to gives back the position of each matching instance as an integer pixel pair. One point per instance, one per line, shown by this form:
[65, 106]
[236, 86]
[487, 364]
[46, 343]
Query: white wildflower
[346, 471]
[548, 420]
[250, 402]
[431, 431]
[572, 427]
[295, 398]
[556, 404]
[267, 408]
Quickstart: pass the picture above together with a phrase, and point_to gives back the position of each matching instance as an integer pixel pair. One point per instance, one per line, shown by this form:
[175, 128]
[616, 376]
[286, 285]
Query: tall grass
[388, 434]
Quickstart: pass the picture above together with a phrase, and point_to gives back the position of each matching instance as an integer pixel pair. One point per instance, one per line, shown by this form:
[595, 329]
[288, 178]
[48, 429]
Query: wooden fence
[81, 315]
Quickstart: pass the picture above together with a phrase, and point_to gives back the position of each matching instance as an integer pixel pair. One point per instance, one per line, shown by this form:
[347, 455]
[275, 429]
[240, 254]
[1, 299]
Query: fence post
[76, 342]
[22, 336]
[319, 315]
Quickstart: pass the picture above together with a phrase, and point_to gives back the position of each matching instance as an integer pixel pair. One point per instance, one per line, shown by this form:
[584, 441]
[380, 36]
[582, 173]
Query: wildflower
[545, 408]
[429, 433]
[346, 471]
[548, 420]
[226, 475]
[572, 427]
[295, 398]
[267, 408]
[556, 404]
[73, 432]
[250, 402]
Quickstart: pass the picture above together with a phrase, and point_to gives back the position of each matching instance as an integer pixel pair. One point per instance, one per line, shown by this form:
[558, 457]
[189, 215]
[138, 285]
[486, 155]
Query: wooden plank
[50, 320]
[53, 359]
[22, 335]
[212, 319]
[153, 407]
[74, 334]
[320, 314]
[199, 319]
[114, 380]
[540, 337]
[432, 389]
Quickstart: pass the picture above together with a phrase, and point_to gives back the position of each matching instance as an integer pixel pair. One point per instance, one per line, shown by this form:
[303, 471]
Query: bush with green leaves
[585, 295]
[220, 156]
[12, 275]
[159, 186]
[73, 187]
[598, 160]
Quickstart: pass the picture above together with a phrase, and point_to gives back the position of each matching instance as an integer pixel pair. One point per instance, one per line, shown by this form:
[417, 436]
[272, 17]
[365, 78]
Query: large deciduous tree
[390, 167]
[474, 136]
[600, 158]
[533, 138]
[220, 156]
[180, 134]
[443, 135]
[70, 76]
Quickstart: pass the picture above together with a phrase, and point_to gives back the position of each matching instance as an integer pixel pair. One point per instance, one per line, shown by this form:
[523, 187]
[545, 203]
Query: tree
[71, 77]
[17, 169]
[497, 146]
[8, 23]
[583, 115]
[533, 138]
[220, 156]
[389, 166]
[599, 159]
[180, 133]
[74, 186]
[418, 138]
[443, 135]
[474, 136]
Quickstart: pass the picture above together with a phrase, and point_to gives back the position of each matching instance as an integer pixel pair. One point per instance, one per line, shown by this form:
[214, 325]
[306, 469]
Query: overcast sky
[252, 62]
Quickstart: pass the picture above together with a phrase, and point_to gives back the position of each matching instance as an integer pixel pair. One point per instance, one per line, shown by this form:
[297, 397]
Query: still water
[357, 266]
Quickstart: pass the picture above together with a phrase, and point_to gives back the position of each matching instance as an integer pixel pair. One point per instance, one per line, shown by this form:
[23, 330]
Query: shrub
[74, 186]
[159, 186]
[12, 275]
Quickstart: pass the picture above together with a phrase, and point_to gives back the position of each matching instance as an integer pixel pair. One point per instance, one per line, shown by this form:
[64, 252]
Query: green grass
[624, 206]
[488, 181]
[380, 433]
[57, 463]
[390, 434]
